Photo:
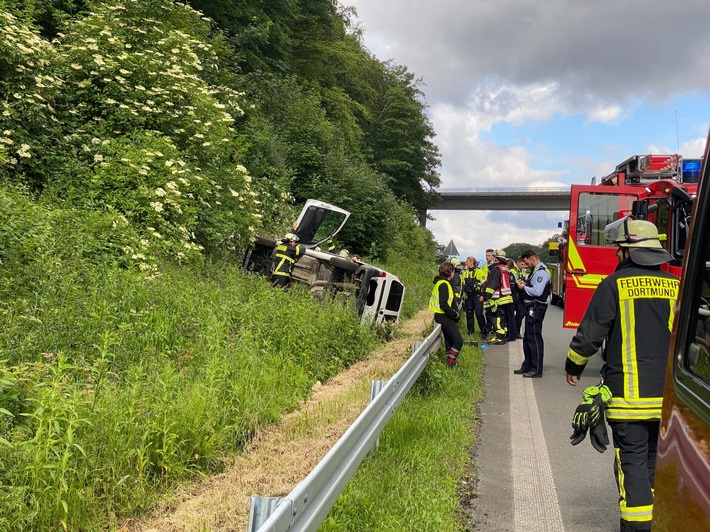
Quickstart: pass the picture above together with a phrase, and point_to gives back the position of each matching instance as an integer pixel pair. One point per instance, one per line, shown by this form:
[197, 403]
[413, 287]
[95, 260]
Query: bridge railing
[561, 190]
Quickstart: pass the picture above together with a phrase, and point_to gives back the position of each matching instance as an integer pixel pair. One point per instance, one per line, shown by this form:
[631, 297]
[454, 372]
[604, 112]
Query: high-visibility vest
[434, 305]
[503, 292]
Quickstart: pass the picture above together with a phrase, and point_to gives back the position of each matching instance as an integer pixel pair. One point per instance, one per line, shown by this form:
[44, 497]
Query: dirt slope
[280, 457]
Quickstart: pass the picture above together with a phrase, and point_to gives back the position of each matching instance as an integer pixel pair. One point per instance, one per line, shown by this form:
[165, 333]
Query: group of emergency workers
[499, 294]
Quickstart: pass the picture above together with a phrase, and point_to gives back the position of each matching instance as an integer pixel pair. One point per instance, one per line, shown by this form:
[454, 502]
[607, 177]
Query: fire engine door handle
[577, 272]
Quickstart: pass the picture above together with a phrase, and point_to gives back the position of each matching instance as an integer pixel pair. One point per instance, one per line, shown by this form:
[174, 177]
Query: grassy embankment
[117, 384]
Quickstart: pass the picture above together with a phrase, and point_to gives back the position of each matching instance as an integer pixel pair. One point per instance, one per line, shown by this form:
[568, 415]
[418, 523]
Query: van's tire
[343, 264]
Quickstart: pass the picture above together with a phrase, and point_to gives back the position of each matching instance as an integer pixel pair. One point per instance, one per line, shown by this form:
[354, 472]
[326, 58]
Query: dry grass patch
[281, 456]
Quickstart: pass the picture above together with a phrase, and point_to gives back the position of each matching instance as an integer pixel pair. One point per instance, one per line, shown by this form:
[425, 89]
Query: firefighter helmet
[630, 233]
[289, 237]
[500, 254]
[641, 238]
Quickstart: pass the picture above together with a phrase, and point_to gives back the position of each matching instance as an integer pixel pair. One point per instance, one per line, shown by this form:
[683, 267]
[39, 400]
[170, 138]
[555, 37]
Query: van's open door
[589, 258]
[318, 222]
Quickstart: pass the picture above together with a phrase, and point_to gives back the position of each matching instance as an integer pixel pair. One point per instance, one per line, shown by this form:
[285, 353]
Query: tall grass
[114, 389]
[116, 385]
[412, 482]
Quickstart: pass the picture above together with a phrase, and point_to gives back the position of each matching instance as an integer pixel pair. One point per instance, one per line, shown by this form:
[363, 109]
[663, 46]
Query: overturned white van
[378, 294]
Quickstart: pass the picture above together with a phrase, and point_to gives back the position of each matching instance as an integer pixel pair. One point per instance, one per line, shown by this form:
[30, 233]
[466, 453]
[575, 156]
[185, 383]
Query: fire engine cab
[657, 188]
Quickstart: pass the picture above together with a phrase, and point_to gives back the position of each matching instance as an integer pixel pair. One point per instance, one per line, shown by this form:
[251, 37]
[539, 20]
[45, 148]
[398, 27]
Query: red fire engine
[658, 188]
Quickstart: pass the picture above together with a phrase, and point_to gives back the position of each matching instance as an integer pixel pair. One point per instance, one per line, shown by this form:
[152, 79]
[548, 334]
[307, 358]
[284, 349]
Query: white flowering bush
[27, 89]
[129, 124]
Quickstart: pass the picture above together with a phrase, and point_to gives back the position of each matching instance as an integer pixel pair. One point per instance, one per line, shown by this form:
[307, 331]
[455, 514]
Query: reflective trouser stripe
[630, 513]
[636, 513]
[501, 324]
[635, 454]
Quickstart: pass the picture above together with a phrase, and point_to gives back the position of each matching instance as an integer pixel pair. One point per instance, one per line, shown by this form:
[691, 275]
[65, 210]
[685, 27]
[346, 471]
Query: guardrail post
[260, 509]
[375, 388]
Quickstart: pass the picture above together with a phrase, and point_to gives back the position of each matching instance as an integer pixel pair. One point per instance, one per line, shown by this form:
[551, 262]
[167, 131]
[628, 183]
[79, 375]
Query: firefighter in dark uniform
[285, 256]
[496, 295]
[472, 278]
[534, 291]
[632, 310]
[456, 283]
[441, 303]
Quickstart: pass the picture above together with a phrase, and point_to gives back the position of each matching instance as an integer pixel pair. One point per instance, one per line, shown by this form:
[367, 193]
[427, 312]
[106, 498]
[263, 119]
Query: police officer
[441, 304]
[632, 310]
[521, 273]
[285, 256]
[534, 291]
[496, 295]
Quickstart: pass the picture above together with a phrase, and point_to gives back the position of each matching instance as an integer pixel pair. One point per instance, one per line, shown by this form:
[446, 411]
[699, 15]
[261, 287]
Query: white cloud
[502, 77]
[473, 162]
[600, 51]
[474, 232]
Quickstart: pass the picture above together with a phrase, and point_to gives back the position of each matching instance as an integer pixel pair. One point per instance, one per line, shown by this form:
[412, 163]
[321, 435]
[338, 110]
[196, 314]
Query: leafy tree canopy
[201, 124]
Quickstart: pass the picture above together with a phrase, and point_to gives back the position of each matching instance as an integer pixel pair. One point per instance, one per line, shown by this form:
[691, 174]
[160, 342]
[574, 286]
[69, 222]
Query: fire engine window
[595, 211]
[662, 222]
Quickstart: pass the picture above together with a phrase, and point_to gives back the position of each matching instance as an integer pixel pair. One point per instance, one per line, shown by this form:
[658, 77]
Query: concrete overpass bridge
[503, 199]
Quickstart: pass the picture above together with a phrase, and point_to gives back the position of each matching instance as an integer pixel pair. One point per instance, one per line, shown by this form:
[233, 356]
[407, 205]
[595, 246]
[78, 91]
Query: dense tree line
[143, 144]
[198, 125]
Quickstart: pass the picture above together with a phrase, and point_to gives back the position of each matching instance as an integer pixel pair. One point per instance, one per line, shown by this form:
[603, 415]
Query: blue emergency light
[690, 171]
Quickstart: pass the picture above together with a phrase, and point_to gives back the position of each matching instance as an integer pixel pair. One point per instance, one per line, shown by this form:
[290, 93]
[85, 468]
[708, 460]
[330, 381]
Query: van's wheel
[343, 264]
[265, 241]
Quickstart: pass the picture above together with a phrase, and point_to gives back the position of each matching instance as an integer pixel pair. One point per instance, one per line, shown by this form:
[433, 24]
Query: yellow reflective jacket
[633, 309]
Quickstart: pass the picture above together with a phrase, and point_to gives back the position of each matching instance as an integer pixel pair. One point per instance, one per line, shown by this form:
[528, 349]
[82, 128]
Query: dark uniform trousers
[519, 314]
[452, 335]
[533, 344]
[474, 307]
[480, 316]
[510, 321]
[470, 311]
[490, 319]
[635, 445]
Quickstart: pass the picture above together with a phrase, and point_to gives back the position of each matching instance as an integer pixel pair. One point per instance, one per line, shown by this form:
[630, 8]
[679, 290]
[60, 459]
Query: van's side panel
[682, 482]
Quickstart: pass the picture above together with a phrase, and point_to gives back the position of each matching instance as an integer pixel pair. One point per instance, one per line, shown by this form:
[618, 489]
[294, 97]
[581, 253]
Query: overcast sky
[545, 93]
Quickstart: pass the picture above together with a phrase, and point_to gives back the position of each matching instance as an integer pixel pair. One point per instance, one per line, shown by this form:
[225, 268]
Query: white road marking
[535, 502]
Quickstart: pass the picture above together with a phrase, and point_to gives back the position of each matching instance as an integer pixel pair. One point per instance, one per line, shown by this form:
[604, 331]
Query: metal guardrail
[307, 506]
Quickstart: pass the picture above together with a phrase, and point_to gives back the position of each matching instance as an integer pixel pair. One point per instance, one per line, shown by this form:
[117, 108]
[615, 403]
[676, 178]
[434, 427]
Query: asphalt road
[530, 477]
